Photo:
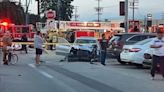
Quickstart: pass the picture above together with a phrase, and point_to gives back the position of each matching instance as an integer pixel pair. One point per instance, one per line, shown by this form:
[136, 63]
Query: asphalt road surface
[56, 76]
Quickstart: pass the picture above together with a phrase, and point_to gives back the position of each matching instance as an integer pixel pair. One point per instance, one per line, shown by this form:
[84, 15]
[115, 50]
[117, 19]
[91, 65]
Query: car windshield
[85, 41]
[143, 42]
[115, 38]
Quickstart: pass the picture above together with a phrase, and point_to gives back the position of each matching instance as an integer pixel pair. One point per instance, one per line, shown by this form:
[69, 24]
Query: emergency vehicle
[91, 29]
[16, 31]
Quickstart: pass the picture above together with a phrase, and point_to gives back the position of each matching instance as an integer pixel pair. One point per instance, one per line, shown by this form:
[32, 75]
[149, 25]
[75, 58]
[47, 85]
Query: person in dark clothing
[24, 39]
[136, 29]
[103, 44]
[72, 38]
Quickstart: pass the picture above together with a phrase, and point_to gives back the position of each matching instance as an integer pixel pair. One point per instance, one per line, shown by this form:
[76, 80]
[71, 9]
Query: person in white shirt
[38, 43]
[158, 54]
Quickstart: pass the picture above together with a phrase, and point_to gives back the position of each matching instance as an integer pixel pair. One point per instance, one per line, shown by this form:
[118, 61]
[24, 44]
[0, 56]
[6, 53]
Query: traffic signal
[122, 8]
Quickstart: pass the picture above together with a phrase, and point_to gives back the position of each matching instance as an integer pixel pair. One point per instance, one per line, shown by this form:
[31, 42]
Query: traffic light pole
[38, 9]
[26, 20]
[58, 26]
[27, 7]
[126, 16]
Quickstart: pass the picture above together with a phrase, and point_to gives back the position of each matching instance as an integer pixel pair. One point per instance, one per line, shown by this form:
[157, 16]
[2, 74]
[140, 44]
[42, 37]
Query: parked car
[117, 42]
[135, 53]
[63, 47]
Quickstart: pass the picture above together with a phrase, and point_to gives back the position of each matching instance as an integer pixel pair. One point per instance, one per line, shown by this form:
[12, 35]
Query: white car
[135, 53]
[63, 47]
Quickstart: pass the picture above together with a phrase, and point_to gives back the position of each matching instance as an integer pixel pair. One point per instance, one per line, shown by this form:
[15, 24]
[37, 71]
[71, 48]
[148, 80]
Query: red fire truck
[17, 30]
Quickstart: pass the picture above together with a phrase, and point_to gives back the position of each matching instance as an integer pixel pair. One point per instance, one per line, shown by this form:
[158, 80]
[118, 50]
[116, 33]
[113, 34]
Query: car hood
[87, 47]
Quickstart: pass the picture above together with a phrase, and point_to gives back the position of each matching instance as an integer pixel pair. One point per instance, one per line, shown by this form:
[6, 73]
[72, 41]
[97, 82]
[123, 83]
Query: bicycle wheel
[14, 59]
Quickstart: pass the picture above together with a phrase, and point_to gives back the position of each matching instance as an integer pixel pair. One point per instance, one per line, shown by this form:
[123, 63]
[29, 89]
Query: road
[55, 76]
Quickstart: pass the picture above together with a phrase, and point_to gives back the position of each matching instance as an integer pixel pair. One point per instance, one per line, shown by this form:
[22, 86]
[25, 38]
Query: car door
[63, 47]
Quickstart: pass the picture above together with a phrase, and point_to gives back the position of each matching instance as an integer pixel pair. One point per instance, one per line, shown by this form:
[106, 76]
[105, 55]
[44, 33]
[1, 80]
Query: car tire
[119, 60]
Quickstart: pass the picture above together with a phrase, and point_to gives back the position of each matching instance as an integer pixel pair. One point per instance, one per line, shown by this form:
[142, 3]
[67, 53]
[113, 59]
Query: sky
[110, 11]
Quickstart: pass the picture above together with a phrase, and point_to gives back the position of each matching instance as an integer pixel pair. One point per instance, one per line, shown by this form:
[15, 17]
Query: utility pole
[27, 7]
[126, 16]
[76, 11]
[99, 10]
[133, 6]
[38, 9]
[58, 6]
[133, 9]
[26, 14]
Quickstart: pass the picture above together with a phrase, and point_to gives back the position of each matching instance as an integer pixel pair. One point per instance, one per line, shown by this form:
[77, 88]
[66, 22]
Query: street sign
[51, 14]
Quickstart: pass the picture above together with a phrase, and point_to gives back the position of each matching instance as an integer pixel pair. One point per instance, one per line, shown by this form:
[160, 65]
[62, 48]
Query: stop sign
[51, 14]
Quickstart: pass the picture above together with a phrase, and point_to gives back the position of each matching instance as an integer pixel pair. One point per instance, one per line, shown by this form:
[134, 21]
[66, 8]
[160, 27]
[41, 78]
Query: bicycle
[12, 57]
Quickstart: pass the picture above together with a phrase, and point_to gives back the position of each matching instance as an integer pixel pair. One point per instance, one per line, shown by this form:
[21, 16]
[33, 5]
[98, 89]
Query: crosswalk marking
[41, 72]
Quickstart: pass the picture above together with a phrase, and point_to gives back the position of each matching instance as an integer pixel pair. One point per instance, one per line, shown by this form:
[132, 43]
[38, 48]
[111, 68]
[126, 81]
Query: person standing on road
[158, 54]
[38, 43]
[24, 39]
[7, 41]
[103, 44]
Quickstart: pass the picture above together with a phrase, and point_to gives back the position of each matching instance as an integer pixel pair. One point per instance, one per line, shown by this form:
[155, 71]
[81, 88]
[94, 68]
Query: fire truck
[17, 30]
[91, 29]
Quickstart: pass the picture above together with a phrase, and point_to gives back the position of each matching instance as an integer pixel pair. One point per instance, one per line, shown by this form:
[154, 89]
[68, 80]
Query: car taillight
[134, 50]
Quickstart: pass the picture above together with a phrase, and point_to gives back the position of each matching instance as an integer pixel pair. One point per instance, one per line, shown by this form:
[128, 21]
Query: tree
[33, 19]
[66, 9]
[12, 11]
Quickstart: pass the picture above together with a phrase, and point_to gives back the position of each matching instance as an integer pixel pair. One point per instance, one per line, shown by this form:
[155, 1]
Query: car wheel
[121, 62]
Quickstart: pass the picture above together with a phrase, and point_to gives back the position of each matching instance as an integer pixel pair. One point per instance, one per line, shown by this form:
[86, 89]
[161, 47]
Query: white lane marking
[46, 74]
[41, 72]
[32, 65]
